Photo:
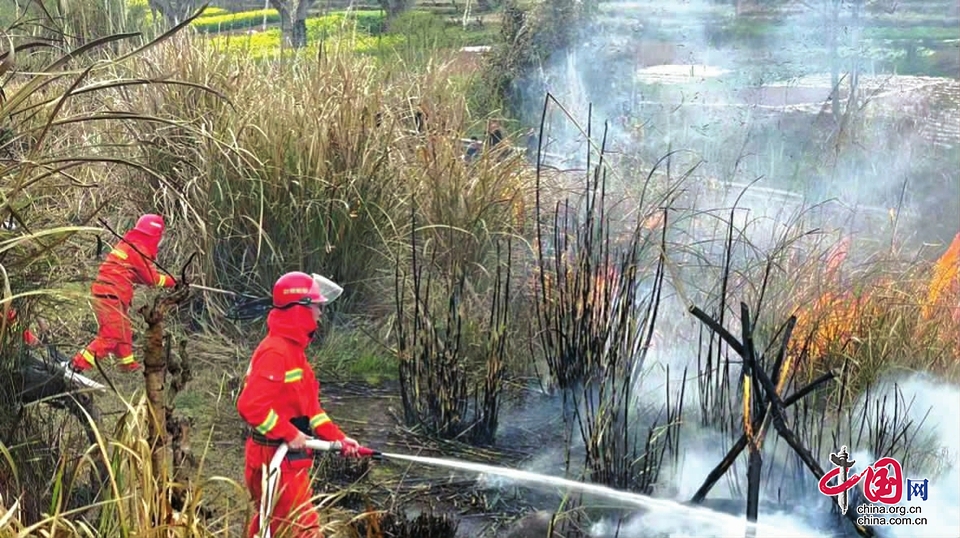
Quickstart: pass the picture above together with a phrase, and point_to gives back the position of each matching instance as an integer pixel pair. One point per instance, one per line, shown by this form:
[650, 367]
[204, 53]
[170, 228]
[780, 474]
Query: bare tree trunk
[855, 60]
[293, 20]
[174, 11]
[833, 46]
[466, 13]
[298, 30]
[155, 370]
[395, 7]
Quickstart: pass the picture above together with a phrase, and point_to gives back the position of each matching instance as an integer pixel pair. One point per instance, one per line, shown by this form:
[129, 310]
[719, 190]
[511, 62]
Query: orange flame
[835, 320]
[830, 323]
[943, 295]
[945, 281]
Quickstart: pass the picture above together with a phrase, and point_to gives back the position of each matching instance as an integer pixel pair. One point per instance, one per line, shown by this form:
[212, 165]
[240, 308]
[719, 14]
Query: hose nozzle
[365, 452]
[336, 446]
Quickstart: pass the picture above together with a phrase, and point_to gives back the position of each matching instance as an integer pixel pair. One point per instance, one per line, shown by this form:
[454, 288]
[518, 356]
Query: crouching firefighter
[130, 262]
[280, 401]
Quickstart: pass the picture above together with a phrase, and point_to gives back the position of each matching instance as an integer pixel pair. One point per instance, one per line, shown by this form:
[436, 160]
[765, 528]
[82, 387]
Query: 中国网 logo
[883, 484]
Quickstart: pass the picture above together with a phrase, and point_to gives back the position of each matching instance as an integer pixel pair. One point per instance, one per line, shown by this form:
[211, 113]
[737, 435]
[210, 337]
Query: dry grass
[311, 164]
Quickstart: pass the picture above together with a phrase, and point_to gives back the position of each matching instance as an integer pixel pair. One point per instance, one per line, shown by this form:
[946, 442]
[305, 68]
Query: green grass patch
[428, 30]
[257, 45]
[353, 355]
[366, 21]
[193, 403]
[266, 45]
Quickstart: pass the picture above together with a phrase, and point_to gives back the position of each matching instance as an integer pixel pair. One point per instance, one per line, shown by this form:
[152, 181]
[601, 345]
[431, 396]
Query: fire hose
[272, 476]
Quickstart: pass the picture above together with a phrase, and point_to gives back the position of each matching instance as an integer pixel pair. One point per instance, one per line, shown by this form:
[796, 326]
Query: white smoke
[667, 525]
[722, 126]
[937, 404]
[663, 80]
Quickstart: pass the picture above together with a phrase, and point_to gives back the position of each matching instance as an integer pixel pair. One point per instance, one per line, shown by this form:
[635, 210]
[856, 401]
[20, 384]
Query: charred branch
[742, 442]
[751, 399]
[776, 407]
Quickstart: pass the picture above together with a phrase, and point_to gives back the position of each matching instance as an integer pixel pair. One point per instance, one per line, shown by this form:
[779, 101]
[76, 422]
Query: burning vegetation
[919, 303]
[942, 308]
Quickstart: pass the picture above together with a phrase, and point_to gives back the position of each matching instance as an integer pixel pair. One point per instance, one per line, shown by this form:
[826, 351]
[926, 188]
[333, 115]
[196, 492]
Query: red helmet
[150, 225]
[296, 288]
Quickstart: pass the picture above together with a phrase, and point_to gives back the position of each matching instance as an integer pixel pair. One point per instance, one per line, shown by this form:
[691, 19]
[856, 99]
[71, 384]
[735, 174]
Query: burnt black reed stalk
[882, 432]
[487, 406]
[596, 316]
[434, 377]
[716, 407]
[394, 524]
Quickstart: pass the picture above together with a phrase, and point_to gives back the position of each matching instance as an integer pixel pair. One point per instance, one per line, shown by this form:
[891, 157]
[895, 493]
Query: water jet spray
[704, 515]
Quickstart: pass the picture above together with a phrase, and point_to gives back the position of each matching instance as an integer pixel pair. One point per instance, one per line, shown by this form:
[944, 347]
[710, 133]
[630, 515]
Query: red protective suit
[280, 386]
[130, 262]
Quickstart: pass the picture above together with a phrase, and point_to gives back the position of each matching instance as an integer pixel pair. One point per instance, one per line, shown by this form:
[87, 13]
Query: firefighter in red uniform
[130, 262]
[280, 401]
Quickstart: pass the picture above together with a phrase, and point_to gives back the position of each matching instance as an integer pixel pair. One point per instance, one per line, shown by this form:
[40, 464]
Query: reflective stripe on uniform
[89, 356]
[119, 253]
[292, 376]
[161, 280]
[126, 360]
[269, 423]
[319, 420]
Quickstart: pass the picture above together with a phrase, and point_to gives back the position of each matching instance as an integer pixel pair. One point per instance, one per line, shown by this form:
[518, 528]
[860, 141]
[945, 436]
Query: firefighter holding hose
[130, 262]
[280, 401]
